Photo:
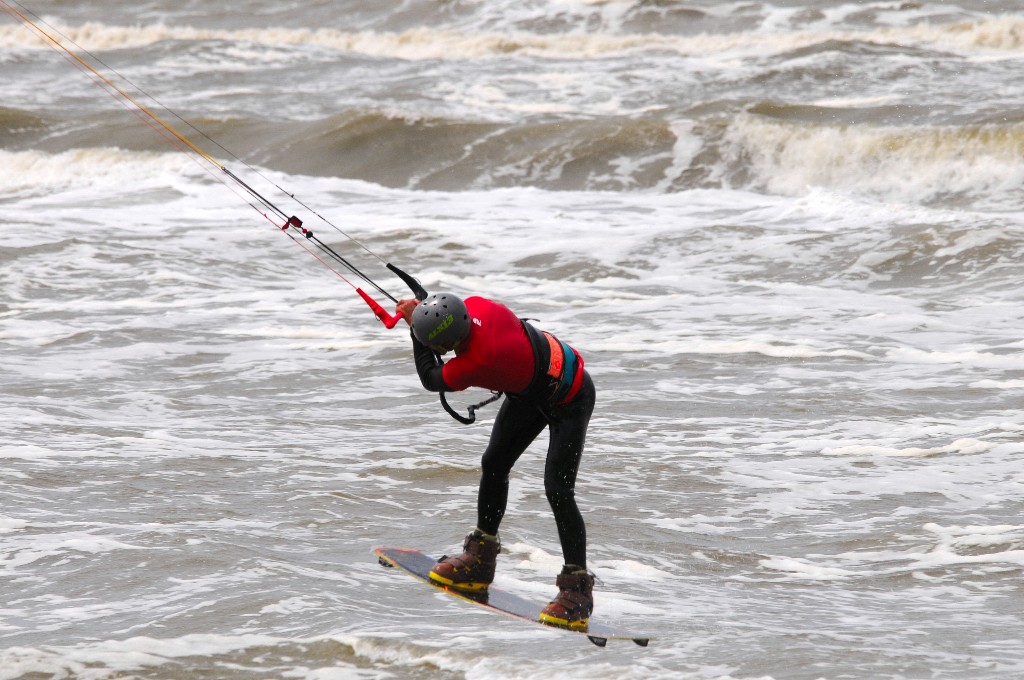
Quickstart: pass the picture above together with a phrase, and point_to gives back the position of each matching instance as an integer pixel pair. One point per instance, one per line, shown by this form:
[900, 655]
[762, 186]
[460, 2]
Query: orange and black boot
[574, 603]
[473, 570]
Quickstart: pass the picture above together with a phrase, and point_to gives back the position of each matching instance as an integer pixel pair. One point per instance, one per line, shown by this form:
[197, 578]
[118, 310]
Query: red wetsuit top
[497, 355]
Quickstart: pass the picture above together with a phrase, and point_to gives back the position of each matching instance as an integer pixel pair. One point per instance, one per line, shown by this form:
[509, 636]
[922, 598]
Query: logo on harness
[563, 366]
[556, 365]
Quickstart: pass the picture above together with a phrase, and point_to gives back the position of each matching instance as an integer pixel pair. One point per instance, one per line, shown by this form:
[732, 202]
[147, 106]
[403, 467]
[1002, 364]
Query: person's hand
[405, 308]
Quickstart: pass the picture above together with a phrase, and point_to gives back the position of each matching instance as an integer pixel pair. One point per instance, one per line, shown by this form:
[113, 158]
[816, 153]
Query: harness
[557, 371]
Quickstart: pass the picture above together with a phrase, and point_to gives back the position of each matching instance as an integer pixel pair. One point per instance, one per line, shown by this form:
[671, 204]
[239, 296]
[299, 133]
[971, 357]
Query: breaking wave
[940, 166]
[1000, 34]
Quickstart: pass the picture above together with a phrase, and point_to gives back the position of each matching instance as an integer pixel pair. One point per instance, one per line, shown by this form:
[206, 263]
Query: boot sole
[471, 587]
[564, 623]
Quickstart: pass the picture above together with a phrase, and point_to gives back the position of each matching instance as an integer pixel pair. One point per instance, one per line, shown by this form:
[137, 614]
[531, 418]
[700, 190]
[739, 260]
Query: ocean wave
[938, 165]
[14, 122]
[996, 34]
[39, 172]
[946, 166]
[948, 552]
[369, 657]
[775, 149]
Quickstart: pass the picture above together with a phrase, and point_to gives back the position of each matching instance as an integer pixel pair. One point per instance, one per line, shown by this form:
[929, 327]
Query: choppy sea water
[787, 238]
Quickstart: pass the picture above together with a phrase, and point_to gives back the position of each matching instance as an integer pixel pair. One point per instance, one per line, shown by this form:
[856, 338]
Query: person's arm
[430, 370]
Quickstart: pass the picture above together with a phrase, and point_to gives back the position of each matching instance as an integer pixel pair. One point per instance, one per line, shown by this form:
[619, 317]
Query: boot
[574, 603]
[473, 570]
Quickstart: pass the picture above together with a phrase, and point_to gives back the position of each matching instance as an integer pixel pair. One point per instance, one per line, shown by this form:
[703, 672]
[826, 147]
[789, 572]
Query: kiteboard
[418, 565]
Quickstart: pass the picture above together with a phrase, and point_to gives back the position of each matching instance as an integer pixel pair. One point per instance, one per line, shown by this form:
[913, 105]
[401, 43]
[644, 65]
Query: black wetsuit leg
[516, 426]
[568, 426]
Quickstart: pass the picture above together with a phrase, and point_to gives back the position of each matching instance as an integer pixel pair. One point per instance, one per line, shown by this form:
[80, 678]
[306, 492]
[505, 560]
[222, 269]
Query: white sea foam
[21, 553]
[9, 524]
[802, 568]
[960, 446]
[999, 384]
[967, 357]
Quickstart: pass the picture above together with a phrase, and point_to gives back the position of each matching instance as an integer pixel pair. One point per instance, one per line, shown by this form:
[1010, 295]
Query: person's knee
[494, 466]
[559, 495]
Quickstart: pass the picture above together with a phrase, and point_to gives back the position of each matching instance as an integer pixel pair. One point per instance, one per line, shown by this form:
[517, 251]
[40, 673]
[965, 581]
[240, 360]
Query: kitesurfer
[545, 385]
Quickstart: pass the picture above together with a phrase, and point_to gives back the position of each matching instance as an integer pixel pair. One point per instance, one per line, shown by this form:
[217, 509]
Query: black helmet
[441, 319]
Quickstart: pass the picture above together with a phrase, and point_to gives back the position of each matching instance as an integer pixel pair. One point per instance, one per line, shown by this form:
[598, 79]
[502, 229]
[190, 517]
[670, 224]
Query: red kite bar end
[388, 320]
